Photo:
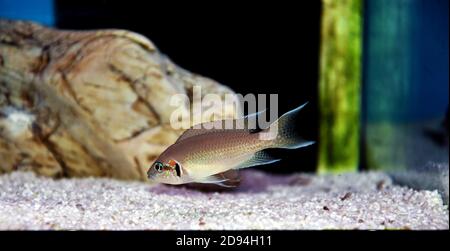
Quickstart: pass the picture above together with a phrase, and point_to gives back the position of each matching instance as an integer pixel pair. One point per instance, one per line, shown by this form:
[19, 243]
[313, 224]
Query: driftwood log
[87, 103]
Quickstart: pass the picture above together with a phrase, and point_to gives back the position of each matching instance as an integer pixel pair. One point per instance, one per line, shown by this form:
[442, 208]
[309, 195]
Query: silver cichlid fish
[201, 155]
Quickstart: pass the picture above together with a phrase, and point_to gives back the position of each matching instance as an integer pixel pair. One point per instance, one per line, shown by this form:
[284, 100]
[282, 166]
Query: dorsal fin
[194, 131]
[249, 121]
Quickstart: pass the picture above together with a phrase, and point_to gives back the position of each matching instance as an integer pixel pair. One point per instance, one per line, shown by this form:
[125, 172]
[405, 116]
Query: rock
[88, 103]
[432, 176]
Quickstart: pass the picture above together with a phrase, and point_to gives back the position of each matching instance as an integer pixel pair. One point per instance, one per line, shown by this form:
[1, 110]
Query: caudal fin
[287, 136]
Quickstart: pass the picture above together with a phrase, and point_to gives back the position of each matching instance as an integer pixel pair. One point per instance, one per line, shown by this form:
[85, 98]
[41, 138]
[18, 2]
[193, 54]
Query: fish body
[201, 155]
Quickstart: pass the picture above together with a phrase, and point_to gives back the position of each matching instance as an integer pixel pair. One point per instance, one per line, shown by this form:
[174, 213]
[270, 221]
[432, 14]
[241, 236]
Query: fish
[203, 155]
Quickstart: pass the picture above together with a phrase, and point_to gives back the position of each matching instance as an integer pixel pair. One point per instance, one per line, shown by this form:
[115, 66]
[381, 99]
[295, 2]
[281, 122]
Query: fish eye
[158, 166]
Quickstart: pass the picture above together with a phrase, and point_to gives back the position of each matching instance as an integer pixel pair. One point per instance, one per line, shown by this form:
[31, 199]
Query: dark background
[252, 48]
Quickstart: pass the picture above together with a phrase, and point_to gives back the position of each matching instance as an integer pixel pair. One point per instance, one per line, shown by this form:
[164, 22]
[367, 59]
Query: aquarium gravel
[263, 201]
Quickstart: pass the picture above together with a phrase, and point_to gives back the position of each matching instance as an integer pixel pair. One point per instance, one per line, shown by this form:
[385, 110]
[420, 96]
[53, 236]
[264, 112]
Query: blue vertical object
[405, 83]
[406, 60]
[430, 43]
[40, 11]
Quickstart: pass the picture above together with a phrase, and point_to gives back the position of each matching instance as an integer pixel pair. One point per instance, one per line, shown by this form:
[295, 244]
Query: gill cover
[175, 166]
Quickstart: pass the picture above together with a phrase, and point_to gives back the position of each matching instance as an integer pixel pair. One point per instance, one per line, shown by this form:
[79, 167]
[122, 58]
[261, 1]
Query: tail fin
[287, 136]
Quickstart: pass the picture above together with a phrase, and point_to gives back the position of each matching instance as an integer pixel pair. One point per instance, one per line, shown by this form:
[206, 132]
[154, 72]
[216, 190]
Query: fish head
[168, 172]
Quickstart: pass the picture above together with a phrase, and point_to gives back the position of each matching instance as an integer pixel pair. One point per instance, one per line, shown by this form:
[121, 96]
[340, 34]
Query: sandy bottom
[351, 201]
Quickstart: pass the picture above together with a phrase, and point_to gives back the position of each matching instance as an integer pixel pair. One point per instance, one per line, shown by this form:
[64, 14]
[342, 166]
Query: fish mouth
[150, 175]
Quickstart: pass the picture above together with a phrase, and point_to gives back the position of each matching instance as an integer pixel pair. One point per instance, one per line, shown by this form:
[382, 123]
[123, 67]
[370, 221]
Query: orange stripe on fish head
[172, 163]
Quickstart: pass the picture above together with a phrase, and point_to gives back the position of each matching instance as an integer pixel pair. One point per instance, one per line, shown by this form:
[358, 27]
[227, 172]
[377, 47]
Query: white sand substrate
[263, 201]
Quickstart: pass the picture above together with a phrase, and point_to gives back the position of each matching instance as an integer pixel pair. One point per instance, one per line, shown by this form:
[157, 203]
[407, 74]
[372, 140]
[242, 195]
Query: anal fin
[259, 158]
[225, 179]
